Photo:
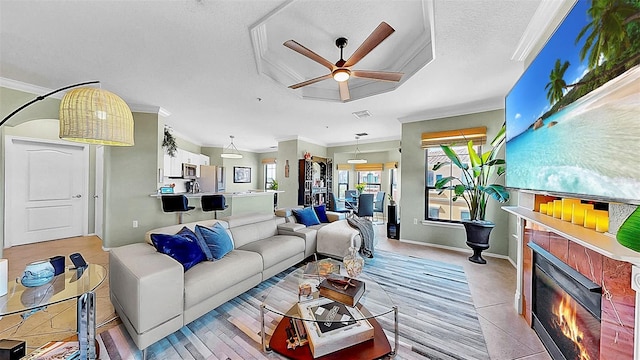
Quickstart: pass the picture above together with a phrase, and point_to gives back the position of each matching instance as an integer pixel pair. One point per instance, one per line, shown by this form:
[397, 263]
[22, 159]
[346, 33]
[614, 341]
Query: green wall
[412, 171]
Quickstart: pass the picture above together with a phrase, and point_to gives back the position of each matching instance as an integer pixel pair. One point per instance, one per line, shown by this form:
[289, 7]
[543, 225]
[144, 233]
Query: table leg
[395, 332]
[87, 325]
[262, 337]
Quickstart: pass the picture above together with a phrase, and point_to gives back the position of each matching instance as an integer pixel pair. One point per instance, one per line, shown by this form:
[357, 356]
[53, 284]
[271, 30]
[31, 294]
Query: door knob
[77, 196]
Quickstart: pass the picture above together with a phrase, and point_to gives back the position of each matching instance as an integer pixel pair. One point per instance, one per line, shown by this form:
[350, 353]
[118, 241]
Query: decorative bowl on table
[37, 273]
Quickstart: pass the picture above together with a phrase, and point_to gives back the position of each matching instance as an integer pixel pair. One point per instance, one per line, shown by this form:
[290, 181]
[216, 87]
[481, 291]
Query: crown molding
[28, 88]
[456, 110]
[538, 26]
[150, 109]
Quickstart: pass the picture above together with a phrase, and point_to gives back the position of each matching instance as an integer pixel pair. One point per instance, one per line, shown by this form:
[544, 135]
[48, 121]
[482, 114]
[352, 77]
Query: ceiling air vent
[362, 114]
[362, 134]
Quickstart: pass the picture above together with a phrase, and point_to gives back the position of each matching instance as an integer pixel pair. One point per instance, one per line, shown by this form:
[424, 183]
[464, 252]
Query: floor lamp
[94, 116]
[90, 115]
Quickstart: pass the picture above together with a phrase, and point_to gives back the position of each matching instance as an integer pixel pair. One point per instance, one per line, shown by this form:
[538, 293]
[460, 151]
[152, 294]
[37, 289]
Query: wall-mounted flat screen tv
[573, 118]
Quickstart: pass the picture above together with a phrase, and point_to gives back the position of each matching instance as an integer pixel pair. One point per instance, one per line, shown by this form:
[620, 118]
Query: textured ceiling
[195, 58]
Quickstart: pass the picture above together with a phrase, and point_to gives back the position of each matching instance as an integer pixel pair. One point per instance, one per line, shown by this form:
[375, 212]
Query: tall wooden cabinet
[315, 180]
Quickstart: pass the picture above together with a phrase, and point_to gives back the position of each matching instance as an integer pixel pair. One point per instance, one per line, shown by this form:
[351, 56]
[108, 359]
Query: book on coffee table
[334, 327]
[342, 289]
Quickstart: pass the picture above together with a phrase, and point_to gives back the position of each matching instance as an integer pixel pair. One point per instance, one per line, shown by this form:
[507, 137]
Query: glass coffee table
[283, 299]
[73, 284]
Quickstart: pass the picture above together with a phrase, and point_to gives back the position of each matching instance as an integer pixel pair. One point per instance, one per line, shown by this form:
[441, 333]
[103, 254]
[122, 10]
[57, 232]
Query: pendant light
[355, 159]
[231, 152]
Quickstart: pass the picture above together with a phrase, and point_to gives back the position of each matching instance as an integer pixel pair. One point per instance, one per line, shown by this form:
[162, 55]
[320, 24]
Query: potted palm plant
[476, 185]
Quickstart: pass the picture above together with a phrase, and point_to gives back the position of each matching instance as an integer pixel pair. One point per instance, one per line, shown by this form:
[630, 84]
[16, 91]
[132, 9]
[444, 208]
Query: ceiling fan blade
[377, 36]
[291, 44]
[309, 82]
[377, 75]
[344, 91]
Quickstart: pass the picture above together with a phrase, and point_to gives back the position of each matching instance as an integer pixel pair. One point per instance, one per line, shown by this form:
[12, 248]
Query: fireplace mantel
[603, 244]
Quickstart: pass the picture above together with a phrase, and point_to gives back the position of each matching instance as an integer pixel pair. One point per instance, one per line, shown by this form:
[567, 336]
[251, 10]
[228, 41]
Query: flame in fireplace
[567, 321]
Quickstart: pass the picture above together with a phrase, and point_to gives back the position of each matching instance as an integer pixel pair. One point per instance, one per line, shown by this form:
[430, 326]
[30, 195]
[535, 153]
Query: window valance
[391, 165]
[269, 160]
[368, 167]
[344, 167]
[455, 137]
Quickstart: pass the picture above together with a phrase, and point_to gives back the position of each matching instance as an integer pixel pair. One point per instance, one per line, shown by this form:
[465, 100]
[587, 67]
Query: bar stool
[213, 203]
[176, 203]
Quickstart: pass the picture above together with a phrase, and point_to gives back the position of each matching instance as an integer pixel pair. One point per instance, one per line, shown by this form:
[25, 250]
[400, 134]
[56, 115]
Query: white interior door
[98, 197]
[46, 190]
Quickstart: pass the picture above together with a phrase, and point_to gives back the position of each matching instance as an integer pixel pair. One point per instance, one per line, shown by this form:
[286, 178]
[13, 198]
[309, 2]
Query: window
[393, 181]
[372, 179]
[343, 182]
[441, 206]
[269, 175]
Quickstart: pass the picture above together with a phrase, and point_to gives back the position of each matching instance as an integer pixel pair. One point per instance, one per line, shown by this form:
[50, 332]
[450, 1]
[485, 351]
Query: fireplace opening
[566, 308]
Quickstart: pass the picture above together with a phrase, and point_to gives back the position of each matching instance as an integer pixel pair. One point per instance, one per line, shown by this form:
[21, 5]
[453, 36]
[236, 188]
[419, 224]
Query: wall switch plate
[135, 223]
[415, 221]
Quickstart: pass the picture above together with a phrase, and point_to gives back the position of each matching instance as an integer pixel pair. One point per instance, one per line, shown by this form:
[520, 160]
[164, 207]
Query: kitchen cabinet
[173, 165]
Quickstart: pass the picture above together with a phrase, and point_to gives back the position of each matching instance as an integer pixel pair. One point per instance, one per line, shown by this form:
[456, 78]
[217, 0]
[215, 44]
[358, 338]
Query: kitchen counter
[243, 202]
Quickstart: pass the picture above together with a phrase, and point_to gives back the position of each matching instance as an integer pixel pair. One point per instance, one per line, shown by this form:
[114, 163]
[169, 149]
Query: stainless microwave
[189, 171]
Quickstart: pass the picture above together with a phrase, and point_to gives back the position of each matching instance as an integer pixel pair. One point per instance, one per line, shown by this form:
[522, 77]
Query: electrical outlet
[135, 223]
[415, 221]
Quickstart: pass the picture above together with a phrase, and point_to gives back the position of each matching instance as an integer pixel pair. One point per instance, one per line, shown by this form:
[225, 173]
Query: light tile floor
[492, 286]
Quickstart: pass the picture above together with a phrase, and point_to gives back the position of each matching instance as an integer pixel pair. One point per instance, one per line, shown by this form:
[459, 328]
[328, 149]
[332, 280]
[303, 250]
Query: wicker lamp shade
[95, 116]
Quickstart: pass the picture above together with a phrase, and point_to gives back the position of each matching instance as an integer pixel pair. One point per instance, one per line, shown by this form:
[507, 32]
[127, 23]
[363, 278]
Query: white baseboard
[453, 248]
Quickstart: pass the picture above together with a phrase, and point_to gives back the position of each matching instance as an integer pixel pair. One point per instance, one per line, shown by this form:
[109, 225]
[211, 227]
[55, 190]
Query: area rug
[436, 315]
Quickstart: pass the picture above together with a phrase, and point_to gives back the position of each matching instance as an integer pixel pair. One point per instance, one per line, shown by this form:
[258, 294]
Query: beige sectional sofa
[154, 297]
[332, 239]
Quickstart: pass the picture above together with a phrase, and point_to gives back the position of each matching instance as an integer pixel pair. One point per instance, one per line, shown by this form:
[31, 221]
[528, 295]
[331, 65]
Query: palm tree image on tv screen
[573, 118]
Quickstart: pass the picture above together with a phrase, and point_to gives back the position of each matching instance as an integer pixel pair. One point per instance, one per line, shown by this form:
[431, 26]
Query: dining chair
[365, 205]
[378, 204]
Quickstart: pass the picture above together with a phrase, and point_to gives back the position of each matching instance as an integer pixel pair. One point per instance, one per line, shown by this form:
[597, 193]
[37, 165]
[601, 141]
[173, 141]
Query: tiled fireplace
[575, 289]
[566, 308]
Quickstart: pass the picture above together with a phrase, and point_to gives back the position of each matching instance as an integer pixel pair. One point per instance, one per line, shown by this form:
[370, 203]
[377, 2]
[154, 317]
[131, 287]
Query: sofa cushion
[321, 212]
[212, 277]
[216, 241]
[276, 248]
[183, 247]
[306, 216]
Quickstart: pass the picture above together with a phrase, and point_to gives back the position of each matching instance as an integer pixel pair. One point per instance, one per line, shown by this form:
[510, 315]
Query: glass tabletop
[284, 298]
[72, 284]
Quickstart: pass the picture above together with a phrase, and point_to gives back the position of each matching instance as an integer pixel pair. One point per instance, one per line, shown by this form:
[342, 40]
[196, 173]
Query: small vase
[353, 263]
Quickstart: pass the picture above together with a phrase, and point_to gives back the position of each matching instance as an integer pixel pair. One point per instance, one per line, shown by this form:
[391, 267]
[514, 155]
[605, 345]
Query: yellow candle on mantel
[557, 209]
[590, 218]
[577, 217]
[567, 208]
[543, 208]
[550, 208]
[602, 220]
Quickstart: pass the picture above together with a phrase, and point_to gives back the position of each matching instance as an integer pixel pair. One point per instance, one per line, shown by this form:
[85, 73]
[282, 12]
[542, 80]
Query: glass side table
[283, 299]
[73, 284]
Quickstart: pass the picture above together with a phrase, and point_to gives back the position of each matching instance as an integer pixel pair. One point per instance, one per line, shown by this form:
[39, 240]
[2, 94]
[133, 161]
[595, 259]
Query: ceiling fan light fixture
[231, 152]
[341, 75]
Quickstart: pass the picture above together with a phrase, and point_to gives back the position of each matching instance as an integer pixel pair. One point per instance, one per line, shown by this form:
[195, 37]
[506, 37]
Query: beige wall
[412, 186]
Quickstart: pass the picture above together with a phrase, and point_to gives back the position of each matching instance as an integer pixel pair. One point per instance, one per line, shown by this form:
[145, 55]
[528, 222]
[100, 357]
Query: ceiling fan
[341, 71]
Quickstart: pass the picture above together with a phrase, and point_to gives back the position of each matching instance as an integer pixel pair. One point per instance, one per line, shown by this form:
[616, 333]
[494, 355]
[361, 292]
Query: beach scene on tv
[573, 118]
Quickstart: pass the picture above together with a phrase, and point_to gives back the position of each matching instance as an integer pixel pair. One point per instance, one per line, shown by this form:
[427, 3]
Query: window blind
[455, 137]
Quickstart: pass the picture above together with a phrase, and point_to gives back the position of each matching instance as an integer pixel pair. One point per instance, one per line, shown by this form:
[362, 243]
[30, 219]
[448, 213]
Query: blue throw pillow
[306, 216]
[183, 247]
[321, 212]
[217, 240]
